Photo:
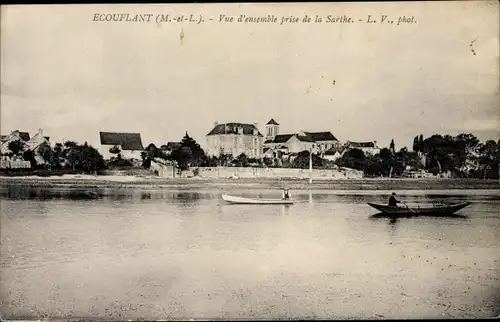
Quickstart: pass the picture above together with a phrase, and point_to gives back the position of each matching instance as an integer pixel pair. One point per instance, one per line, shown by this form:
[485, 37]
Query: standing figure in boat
[286, 194]
[393, 202]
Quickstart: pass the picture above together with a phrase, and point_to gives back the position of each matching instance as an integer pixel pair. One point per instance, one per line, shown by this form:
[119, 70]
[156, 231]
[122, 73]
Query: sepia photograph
[250, 161]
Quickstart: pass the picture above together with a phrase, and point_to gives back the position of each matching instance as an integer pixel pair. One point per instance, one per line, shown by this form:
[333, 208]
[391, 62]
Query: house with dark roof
[317, 142]
[234, 139]
[28, 143]
[130, 144]
[15, 135]
[292, 143]
[324, 140]
[369, 147]
[334, 153]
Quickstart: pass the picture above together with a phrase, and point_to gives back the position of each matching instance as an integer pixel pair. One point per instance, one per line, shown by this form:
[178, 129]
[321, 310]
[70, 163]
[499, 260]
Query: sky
[73, 77]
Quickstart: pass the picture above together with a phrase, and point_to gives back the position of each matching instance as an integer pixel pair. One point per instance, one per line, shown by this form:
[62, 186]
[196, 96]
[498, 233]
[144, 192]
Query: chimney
[216, 123]
[374, 144]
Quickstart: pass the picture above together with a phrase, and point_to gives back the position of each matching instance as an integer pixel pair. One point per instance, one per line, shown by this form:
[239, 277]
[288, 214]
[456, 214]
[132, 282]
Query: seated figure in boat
[286, 194]
[393, 202]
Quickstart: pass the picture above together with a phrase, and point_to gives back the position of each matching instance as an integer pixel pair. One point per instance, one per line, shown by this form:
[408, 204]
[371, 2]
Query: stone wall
[163, 170]
[8, 164]
[238, 172]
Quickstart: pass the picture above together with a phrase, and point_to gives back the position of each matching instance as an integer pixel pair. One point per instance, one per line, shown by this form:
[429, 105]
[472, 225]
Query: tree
[212, 161]
[302, 159]
[357, 154]
[420, 143]
[47, 154]
[468, 142]
[116, 150]
[386, 160]
[16, 147]
[416, 144]
[373, 165]
[354, 159]
[241, 160]
[489, 159]
[197, 155]
[82, 157]
[29, 155]
[146, 161]
[148, 155]
[182, 157]
[58, 154]
[71, 154]
[152, 151]
[224, 158]
[70, 144]
[90, 159]
[442, 151]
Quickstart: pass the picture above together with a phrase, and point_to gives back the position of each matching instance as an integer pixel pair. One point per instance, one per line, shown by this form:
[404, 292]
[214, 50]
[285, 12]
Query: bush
[118, 162]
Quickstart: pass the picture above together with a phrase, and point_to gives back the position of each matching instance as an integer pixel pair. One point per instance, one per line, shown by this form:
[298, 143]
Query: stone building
[235, 139]
[317, 142]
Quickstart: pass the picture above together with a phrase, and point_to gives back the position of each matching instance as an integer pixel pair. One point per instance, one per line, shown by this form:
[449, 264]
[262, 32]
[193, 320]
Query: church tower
[272, 129]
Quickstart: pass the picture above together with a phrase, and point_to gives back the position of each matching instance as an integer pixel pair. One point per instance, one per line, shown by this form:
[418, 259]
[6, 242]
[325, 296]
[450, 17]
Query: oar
[404, 203]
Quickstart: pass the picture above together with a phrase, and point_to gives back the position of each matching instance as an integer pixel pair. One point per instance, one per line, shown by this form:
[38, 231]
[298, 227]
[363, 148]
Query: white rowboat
[241, 200]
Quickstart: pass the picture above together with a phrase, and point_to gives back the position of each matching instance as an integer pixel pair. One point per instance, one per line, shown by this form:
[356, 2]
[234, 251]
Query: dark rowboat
[438, 210]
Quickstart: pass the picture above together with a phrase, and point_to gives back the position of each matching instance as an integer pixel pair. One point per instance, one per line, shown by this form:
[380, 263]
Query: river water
[145, 254]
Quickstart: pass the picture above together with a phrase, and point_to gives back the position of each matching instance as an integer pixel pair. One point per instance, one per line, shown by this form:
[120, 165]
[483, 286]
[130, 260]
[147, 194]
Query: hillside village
[243, 145]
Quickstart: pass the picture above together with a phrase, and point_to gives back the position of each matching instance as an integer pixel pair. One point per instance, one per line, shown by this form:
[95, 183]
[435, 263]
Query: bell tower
[272, 129]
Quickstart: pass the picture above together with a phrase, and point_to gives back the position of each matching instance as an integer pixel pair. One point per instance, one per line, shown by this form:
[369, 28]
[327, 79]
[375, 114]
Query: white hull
[241, 200]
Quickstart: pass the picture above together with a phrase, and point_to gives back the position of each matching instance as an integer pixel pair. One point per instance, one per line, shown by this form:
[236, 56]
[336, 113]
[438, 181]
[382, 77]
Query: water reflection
[48, 193]
[145, 195]
[285, 210]
[186, 196]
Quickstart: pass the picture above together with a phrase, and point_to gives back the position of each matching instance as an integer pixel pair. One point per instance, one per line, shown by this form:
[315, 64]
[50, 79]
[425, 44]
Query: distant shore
[88, 181]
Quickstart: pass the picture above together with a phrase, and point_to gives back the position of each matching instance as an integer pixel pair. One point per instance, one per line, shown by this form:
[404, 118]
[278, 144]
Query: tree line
[462, 156]
[70, 155]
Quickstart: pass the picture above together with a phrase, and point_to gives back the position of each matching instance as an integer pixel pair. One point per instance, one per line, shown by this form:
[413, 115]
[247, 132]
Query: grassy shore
[296, 184]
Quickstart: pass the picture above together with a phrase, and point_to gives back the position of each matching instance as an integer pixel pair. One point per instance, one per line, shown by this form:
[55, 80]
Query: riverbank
[82, 181]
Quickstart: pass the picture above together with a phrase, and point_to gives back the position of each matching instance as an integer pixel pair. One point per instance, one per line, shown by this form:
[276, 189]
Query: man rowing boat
[286, 194]
[393, 202]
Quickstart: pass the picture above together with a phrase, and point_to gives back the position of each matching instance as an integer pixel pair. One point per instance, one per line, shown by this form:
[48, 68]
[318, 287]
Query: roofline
[121, 132]
[259, 134]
